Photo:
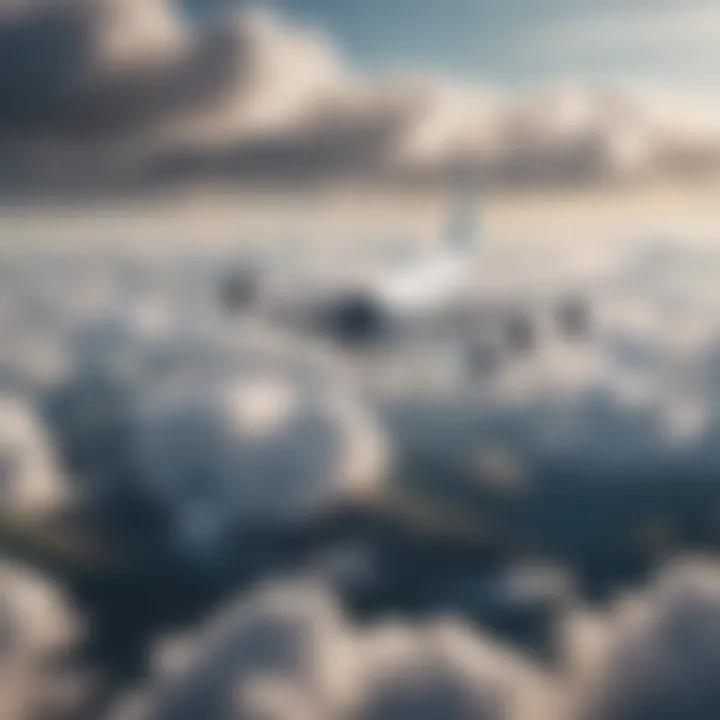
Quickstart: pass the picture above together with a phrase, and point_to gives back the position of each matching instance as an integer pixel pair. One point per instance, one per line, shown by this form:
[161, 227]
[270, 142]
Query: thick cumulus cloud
[446, 670]
[288, 651]
[39, 631]
[258, 452]
[80, 71]
[120, 92]
[283, 644]
[227, 432]
[31, 483]
[655, 655]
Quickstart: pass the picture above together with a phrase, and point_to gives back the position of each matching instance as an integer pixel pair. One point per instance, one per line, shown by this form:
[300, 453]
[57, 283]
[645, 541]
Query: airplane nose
[356, 319]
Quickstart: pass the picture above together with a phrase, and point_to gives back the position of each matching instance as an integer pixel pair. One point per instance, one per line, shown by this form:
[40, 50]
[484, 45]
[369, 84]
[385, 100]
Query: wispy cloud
[690, 28]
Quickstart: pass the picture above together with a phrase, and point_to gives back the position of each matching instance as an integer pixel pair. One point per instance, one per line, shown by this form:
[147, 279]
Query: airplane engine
[520, 333]
[484, 357]
[239, 290]
[573, 317]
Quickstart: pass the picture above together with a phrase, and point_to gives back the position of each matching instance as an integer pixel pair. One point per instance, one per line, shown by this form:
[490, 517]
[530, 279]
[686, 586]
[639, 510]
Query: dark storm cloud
[59, 81]
[82, 83]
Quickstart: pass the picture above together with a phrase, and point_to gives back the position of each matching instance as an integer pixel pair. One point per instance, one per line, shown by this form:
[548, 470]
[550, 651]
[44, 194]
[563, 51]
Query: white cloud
[224, 458]
[664, 28]
[228, 433]
[288, 650]
[38, 627]
[448, 671]
[657, 651]
[122, 94]
[31, 483]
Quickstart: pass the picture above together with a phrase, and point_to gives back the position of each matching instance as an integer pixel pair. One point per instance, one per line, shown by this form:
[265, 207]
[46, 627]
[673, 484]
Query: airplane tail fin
[463, 231]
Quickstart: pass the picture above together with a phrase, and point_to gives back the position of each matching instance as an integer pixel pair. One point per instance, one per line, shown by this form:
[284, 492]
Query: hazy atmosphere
[359, 360]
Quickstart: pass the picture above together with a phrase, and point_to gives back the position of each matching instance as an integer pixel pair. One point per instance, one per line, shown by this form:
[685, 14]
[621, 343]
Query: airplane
[419, 297]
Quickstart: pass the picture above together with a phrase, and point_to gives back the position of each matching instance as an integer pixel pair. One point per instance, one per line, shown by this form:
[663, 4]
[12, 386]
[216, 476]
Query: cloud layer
[159, 384]
[287, 650]
[121, 94]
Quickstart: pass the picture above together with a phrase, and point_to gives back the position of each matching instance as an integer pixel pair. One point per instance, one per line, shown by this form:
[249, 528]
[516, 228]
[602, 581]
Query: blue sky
[672, 42]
